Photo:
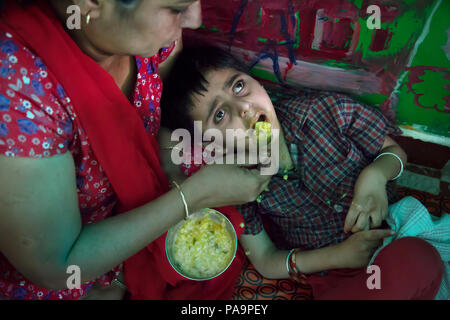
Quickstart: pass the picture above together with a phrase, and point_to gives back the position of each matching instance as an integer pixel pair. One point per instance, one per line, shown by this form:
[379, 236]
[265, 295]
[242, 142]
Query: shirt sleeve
[33, 121]
[366, 126]
[252, 220]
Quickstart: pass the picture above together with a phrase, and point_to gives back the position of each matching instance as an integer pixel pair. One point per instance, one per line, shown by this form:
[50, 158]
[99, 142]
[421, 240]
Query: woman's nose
[192, 17]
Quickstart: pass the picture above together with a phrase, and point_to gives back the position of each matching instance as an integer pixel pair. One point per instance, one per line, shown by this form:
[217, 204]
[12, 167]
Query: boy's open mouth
[261, 118]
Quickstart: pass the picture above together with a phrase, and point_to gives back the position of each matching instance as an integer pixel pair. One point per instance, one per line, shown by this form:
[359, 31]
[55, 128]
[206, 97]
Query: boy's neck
[286, 162]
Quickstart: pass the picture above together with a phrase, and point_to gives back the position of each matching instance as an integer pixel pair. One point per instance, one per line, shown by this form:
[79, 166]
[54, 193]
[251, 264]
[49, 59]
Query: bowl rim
[231, 259]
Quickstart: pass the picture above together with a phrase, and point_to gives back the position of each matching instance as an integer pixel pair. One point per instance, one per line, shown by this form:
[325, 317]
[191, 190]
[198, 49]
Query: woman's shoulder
[35, 112]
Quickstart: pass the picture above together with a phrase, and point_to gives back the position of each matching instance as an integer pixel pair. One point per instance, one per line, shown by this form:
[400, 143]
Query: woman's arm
[40, 224]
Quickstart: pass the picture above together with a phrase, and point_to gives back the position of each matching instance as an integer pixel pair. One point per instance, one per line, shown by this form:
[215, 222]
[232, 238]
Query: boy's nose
[245, 110]
[192, 17]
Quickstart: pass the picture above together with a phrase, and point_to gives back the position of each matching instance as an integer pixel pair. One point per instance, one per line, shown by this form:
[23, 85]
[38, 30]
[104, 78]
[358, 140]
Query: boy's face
[234, 100]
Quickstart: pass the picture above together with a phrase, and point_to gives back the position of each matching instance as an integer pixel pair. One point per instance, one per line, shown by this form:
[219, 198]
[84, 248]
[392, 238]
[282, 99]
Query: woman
[79, 115]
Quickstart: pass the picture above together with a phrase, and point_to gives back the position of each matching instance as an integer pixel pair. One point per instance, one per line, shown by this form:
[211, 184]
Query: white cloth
[409, 218]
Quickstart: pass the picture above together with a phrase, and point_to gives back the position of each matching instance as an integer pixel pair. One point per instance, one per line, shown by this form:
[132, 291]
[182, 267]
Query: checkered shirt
[331, 138]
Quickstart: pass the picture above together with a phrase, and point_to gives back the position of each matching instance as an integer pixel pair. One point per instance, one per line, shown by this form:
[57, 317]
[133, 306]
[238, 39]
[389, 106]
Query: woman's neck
[121, 68]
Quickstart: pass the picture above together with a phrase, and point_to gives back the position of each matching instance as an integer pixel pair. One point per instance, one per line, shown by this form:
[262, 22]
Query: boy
[336, 158]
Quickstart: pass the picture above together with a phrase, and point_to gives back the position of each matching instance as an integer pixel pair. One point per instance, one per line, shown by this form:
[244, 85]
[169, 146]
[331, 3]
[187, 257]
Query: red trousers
[409, 268]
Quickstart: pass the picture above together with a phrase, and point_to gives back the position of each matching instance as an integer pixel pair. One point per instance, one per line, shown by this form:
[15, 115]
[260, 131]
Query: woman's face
[143, 29]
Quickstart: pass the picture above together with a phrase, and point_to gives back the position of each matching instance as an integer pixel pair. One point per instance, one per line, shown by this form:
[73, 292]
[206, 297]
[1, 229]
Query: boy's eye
[219, 116]
[238, 87]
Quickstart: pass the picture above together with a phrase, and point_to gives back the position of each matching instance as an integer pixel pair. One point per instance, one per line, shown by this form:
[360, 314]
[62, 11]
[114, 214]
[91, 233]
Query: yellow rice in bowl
[203, 246]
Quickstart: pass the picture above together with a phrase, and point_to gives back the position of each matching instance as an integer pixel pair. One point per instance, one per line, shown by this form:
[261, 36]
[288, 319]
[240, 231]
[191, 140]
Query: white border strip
[427, 137]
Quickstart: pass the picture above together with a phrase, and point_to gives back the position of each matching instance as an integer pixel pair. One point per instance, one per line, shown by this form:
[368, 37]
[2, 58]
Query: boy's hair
[188, 77]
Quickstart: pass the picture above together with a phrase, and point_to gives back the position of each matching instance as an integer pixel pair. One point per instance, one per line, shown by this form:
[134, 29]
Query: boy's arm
[370, 131]
[370, 206]
[271, 262]
[388, 166]
[354, 252]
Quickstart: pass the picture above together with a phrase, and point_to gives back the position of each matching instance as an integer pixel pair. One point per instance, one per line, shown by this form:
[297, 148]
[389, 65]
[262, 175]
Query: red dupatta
[128, 155]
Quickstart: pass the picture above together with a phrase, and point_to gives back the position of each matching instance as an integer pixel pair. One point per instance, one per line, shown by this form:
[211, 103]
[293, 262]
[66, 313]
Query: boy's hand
[357, 250]
[370, 205]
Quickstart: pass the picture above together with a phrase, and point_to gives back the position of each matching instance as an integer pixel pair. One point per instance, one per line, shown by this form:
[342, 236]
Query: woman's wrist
[193, 195]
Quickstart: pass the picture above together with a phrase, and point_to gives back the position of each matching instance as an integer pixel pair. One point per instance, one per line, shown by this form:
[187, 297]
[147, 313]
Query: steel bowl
[174, 231]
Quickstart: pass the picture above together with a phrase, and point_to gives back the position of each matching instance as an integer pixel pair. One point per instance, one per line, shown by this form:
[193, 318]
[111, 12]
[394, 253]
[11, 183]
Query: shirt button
[338, 208]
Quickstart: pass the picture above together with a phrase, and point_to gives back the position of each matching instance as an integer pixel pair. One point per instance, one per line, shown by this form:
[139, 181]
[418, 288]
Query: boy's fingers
[378, 234]
[363, 222]
[376, 218]
[351, 217]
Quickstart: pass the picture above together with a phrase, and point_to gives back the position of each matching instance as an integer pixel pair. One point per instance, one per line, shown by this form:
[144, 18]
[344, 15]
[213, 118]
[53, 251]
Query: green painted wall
[407, 76]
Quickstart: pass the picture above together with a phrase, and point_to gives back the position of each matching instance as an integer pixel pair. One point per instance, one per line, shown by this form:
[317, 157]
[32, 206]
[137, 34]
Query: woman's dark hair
[187, 77]
[21, 2]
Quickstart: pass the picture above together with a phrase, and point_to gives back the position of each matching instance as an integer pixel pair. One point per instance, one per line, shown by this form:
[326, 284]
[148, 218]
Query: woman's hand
[220, 185]
[370, 205]
[357, 250]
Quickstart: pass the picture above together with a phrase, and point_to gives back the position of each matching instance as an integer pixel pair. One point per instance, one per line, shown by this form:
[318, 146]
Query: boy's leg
[410, 268]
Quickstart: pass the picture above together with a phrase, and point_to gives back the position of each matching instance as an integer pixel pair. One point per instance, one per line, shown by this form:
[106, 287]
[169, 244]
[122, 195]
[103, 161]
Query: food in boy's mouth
[263, 128]
[203, 247]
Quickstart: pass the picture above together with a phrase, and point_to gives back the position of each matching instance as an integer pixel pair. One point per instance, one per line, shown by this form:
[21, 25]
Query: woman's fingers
[264, 180]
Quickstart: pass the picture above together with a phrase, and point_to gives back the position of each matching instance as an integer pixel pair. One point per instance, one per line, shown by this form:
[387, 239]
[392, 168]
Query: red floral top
[37, 120]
